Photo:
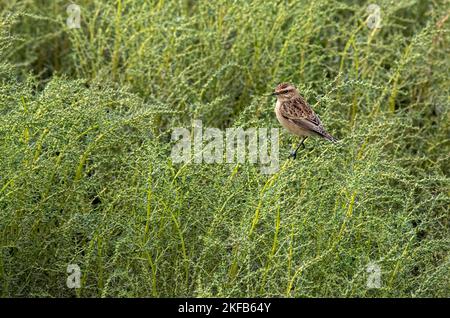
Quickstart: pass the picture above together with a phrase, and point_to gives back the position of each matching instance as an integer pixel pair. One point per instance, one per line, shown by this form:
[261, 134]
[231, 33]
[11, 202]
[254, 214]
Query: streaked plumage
[296, 115]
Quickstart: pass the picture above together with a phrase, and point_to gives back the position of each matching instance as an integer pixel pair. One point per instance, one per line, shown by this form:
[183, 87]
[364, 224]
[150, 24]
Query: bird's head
[285, 91]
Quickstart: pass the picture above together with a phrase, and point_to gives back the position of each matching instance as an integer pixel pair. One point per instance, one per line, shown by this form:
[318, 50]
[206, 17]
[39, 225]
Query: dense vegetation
[86, 176]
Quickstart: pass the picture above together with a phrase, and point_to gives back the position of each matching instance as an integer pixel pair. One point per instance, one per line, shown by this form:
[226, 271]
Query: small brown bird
[295, 114]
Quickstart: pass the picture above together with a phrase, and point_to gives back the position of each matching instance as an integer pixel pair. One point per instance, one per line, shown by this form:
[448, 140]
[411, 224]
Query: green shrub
[87, 178]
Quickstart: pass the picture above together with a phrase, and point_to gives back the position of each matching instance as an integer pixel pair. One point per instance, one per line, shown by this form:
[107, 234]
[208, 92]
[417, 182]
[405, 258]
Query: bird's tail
[328, 137]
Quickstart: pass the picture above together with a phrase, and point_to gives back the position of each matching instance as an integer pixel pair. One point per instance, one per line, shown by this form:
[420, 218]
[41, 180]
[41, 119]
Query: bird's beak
[274, 94]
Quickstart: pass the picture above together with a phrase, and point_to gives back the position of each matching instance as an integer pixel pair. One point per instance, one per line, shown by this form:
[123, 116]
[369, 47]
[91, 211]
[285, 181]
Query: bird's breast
[278, 111]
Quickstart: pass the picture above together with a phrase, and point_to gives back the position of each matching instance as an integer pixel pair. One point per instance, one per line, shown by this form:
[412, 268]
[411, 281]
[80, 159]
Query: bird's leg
[294, 153]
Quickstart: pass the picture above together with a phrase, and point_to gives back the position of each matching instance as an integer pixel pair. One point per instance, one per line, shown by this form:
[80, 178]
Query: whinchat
[297, 116]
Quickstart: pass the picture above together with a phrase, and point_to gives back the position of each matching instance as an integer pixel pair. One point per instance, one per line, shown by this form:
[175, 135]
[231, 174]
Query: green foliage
[86, 175]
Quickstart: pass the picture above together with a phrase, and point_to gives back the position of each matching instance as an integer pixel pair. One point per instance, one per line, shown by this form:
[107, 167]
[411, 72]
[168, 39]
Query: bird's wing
[298, 111]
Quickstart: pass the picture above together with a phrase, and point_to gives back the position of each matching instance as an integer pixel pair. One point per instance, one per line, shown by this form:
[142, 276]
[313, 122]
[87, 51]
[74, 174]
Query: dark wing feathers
[298, 111]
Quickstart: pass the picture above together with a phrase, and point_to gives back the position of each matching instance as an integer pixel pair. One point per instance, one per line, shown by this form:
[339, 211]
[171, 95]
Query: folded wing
[299, 112]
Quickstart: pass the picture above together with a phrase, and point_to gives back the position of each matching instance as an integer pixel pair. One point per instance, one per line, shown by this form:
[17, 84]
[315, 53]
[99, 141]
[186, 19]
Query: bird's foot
[293, 155]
